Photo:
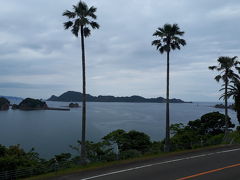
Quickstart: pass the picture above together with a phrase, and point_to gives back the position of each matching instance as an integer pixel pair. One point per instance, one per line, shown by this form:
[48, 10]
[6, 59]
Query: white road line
[164, 162]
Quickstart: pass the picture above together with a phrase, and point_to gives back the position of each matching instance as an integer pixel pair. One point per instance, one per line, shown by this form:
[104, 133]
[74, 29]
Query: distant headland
[72, 96]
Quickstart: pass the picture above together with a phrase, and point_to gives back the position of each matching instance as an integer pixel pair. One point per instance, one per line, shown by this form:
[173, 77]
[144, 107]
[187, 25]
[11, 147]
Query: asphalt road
[220, 164]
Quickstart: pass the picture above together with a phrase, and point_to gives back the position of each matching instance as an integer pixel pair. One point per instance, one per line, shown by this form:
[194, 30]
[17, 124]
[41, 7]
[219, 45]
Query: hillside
[72, 96]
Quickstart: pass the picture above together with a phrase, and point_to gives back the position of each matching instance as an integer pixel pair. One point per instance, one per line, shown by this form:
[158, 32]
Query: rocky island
[4, 104]
[72, 96]
[222, 106]
[73, 105]
[34, 104]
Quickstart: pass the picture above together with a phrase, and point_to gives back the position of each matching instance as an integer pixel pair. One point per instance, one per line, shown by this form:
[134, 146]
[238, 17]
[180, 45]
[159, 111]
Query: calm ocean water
[51, 132]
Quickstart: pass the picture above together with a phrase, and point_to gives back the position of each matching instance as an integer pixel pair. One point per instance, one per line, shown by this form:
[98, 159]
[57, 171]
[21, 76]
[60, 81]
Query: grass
[99, 165]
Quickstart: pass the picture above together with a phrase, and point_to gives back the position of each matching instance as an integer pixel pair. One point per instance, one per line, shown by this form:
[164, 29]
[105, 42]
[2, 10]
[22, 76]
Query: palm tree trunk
[83, 147]
[167, 144]
[226, 106]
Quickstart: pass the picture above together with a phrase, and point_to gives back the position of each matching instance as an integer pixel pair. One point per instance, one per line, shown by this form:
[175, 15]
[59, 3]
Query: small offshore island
[27, 105]
[72, 96]
[222, 106]
[4, 104]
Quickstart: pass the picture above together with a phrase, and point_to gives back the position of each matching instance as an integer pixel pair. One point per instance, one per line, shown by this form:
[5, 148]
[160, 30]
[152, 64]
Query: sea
[52, 132]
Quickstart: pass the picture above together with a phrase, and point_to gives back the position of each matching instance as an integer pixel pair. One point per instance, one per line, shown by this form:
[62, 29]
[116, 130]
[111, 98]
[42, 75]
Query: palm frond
[83, 21]
[173, 46]
[182, 42]
[76, 27]
[82, 7]
[212, 67]
[94, 25]
[69, 14]
[234, 58]
[238, 69]
[221, 89]
[75, 30]
[220, 68]
[157, 43]
[158, 34]
[176, 30]
[161, 30]
[222, 97]
[218, 77]
[91, 12]
[167, 28]
[76, 10]
[163, 49]
[86, 32]
[68, 24]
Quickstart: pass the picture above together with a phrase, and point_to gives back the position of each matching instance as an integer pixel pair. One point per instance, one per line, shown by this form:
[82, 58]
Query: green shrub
[129, 140]
[14, 157]
[156, 147]
[235, 137]
[214, 140]
[132, 153]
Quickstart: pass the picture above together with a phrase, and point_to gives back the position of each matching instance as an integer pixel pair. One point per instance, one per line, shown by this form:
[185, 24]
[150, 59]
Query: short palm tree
[80, 20]
[225, 67]
[168, 39]
[234, 91]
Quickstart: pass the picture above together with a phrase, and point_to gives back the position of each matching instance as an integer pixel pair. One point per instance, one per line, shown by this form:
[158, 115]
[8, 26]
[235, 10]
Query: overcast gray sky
[39, 58]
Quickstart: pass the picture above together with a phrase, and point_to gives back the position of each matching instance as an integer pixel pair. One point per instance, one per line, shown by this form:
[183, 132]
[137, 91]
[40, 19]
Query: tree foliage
[129, 140]
[210, 124]
[199, 132]
[81, 17]
[99, 151]
[14, 157]
[225, 67]
[168, 38]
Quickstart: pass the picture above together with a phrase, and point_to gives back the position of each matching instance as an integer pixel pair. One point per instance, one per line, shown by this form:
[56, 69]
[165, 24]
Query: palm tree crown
[225, 68]
[169, 38]
[81, 16]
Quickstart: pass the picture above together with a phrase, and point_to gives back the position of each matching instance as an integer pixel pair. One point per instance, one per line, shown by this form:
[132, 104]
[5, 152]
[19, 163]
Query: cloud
[226, 12]
[120, 60]
[15, 85]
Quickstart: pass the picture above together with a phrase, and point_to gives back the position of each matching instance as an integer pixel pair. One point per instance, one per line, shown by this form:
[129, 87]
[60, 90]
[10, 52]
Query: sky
[38, 58]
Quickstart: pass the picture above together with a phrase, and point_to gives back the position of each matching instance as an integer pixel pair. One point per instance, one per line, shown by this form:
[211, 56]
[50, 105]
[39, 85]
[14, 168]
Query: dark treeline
[72, 96]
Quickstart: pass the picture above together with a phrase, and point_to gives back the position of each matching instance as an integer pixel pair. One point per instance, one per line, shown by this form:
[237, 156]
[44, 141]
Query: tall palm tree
[168, 38]
[80, 20]
[225, 67]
